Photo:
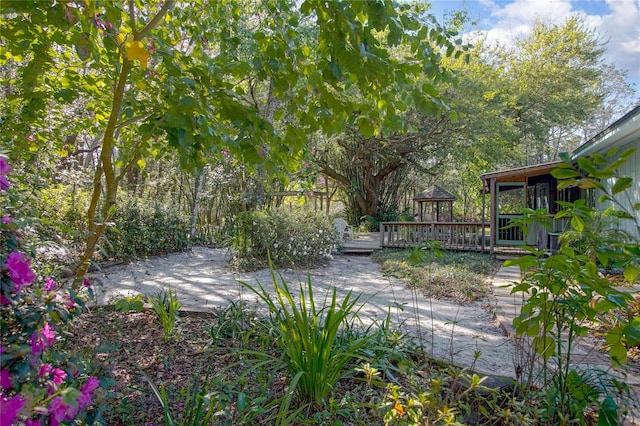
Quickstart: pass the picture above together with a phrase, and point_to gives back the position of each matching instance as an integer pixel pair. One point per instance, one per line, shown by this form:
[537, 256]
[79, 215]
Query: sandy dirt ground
[203, 280]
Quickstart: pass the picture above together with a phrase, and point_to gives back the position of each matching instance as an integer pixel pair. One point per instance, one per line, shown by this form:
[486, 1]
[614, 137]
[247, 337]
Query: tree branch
[147, 28]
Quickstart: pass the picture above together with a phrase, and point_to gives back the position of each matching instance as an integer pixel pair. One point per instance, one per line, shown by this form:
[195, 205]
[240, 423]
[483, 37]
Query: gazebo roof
[435, 193]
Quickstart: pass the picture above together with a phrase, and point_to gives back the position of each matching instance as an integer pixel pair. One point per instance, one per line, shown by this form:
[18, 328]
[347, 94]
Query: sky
[617, 21]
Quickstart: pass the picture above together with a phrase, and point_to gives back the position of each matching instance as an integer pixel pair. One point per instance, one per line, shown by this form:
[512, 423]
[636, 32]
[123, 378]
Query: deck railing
[466, 236]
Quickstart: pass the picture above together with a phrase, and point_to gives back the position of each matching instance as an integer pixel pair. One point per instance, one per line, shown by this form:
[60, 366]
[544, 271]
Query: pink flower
[311, 193]
[86, 390]
[45, 370]
[58, 376]
[43, 339]
[10, 408]
[321, 180]
[20, 270]
[5, 379]
[225, 153]
[60, 412]
[49, 285]
[5, 168]
[49, 333]
[68, 301]
[4, 301]
[6, 220]
[86, 282]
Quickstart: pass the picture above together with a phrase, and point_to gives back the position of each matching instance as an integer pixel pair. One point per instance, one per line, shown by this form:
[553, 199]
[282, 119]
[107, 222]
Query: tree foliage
[168, 78]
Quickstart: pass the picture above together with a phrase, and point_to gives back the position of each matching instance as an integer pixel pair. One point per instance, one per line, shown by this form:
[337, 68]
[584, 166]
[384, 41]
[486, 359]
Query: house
[534, 187]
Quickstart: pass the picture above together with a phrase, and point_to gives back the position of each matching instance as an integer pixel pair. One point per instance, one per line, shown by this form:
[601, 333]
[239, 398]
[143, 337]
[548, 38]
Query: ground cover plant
[440, 274]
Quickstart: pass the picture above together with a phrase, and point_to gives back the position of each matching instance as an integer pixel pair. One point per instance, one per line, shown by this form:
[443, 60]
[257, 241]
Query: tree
[555, 75]
[168, 79]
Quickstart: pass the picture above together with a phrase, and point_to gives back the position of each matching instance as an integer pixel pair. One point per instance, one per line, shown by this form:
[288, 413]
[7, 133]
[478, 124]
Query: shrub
[565, 292]
[38, 382]
[299, 238]
[140, 230]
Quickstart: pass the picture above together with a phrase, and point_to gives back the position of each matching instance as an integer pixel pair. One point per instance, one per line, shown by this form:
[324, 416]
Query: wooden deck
[363, 243]
[366, 243]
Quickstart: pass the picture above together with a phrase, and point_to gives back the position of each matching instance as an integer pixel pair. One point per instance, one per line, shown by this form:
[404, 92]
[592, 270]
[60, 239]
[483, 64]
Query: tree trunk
[195, 206]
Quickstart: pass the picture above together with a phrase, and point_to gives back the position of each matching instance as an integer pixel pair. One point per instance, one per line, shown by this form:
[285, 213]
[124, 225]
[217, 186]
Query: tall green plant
[309, 336]
[166, 306]
[565, 292]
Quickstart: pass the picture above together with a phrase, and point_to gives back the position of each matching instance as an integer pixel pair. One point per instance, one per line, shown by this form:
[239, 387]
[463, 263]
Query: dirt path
[203, 280]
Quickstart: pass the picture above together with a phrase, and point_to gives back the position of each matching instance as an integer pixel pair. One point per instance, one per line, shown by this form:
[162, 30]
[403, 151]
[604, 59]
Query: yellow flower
[135, 50]
[399, 408]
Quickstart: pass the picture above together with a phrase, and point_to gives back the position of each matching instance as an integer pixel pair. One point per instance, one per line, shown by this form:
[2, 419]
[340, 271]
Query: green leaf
[618, 353]
[562, 173]
[544, 346]
[632, 334]
[608, 413]
[621, 184]
[577, 223]
[631, 273]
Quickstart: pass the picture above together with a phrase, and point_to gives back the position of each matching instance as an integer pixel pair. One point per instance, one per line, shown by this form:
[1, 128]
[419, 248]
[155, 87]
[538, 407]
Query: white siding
[632, 196]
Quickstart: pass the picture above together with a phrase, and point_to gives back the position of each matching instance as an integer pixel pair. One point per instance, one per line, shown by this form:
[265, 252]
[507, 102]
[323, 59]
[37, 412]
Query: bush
[140, 230]
[295, 238]
[38, 381]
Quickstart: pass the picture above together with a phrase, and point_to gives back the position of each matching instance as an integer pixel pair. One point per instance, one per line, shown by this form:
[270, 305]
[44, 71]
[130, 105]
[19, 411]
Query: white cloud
[617, 22]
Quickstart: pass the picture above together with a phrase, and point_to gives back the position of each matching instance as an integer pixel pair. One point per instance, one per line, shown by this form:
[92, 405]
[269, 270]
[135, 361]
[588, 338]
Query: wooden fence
[467, 236]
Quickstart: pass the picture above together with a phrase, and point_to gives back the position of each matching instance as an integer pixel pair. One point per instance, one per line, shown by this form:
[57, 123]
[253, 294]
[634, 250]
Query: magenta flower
[43, 339]
[5, 379]
[33, 422]
[20, 272]
[45, 370]
[321, 180]
[5, 168]
[4, 301]
[68, 301]
[6, 220]
[49, 285]
[225, 153]
[86, 282]
[10, 408]
[58, 376]
[311, 193]
[86, 390]
[60, 412]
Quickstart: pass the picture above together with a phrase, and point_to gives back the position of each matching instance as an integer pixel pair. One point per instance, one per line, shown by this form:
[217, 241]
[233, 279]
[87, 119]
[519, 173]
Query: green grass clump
[440, 274]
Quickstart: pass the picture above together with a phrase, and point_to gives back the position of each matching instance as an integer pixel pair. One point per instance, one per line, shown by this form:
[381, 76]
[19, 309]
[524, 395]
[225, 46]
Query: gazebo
[435, 204]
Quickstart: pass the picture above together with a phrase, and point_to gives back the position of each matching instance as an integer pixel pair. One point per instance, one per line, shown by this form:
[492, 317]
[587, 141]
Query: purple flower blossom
[60, 412]
[5, 168]
[5, 379]
[6, 220]
[86, 282]
[68, 301]
[10, 408]
[20, 270]
[58, 376]
[86, 390]
[45, 370]
[321, 180]
[43, 339]
[49, 285]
